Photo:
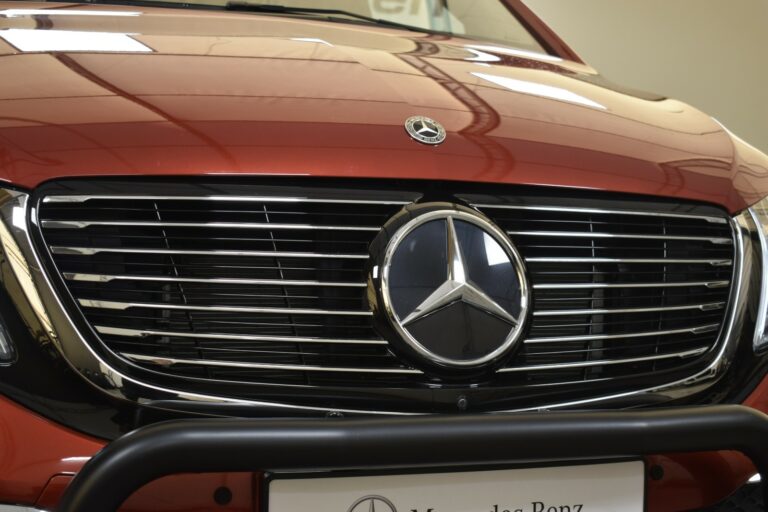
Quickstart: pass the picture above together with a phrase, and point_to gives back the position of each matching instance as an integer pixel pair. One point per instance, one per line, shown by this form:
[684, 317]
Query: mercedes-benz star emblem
[372, 504]
[454, 287]
[425, 130]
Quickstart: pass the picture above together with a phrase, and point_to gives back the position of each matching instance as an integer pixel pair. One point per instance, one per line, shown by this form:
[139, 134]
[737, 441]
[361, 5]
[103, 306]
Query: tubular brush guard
[218, 445]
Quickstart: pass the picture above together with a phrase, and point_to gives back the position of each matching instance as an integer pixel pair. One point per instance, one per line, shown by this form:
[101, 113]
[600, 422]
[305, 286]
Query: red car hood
[182, 92]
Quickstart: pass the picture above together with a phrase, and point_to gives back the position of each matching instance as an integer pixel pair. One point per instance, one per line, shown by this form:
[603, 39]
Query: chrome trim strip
[105, 278]
[566, 312]
[18, 508]
[16, 258]
[605, 362]
[142, 333]
[670, 261]
[758, 338]
[590, 337]
[108, 304]
[683, 284]
[170, 361]
[710, 219]
[579, 234]
[232, 199]
[79, 224]
[90, 251]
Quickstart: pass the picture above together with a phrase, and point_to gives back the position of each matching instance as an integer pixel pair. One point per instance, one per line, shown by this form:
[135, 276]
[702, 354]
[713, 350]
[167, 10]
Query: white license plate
[610, 487]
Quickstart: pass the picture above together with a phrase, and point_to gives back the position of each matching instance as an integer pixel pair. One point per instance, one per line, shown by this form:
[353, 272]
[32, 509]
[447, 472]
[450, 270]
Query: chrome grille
[618, 290]
[244, 284]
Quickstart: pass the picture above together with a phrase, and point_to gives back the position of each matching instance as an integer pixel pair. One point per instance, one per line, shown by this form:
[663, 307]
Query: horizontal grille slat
[72, 276]
[216, 198]
[117, 331]
[593, 337]
[87, 251]
[103, 304]
[166, 361]
[266, 366]
[574, 312]
[619, 323]
[332, 326]
[644, 261]
[79, 224]
[683, 284]
[572, 298]
[606, 362]
[241, 285]
[599, 211]
[608, 351]
[576, 234]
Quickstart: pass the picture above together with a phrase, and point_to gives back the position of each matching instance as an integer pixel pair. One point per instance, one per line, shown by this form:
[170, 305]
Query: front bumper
[218, 445]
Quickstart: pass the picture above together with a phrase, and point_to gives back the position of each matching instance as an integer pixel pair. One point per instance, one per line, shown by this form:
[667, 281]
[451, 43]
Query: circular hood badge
[453, 286]
[425, 130]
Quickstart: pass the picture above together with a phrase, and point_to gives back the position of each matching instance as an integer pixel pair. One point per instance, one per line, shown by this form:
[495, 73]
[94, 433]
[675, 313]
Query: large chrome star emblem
[452, 286]
[457, 287]
[425, 130]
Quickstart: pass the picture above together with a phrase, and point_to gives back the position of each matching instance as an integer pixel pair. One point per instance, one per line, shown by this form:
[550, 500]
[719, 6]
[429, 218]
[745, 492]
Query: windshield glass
[477, 19]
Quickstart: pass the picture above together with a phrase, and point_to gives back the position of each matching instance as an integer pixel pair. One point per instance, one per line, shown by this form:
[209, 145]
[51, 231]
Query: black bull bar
[222, 445]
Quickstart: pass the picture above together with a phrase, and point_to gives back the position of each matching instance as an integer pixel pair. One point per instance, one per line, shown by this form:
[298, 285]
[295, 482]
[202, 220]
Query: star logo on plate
[372, 504]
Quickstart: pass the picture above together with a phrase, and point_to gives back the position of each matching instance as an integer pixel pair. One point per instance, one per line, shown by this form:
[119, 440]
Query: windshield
[477, 19]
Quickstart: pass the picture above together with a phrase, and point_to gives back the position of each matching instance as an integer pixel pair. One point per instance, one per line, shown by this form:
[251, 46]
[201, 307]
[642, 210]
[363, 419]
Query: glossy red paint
[39, 457]
[299, 97]
[53, 491]
[695, 480]
[33, 449]
[194, 493]
[177, 493]
[252, 95]
[758, 399]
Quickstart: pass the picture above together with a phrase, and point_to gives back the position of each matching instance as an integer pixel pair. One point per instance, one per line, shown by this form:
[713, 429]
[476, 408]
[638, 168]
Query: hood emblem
[425, 130]
[454, 288]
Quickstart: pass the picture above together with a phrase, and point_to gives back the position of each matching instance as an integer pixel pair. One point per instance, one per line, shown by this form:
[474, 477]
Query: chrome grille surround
[711, 356]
